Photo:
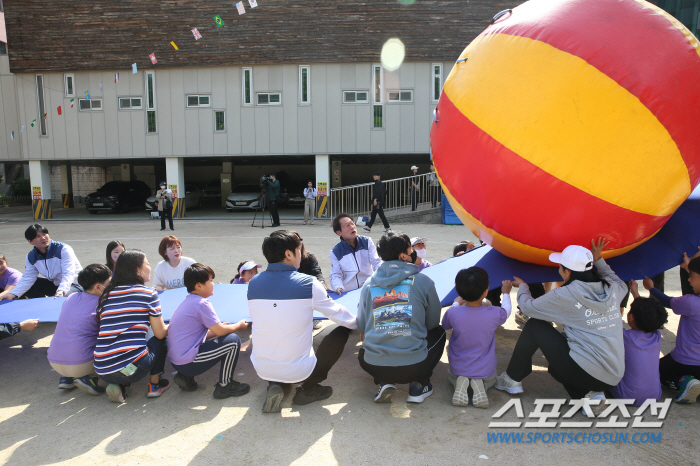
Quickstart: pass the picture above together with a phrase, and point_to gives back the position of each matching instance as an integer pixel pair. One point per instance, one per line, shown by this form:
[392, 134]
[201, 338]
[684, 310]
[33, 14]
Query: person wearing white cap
[420, 249]
[588, 357]
[246, 271]
[414, 187]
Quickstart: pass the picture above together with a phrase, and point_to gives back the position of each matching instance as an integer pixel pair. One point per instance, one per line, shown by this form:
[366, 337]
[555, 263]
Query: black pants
[538, 334]
[495, 296]
[685, 285]
[222, 350]
[378, 209]
[328, 346]
[153, 363]
[419, 372]
[414, 198]
[41, 288]
[166, 213]
[435, 194]
[671, 371]
[273, 212]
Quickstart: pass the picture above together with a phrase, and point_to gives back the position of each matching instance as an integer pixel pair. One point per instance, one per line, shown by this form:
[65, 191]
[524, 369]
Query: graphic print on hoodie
[391, 309]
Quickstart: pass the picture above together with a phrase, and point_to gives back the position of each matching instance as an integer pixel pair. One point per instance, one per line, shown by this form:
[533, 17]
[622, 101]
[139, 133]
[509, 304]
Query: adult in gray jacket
[399, 318]
[588, 357]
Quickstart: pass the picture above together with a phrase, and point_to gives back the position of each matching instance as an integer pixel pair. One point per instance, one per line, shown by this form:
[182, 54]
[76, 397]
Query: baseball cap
[576, 258]
[248, 266]
[414, 168]
[418, 240]
[162, 183]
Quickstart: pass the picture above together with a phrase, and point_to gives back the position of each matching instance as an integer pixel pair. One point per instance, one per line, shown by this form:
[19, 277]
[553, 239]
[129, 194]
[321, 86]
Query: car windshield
[246, 188]
[112, 186]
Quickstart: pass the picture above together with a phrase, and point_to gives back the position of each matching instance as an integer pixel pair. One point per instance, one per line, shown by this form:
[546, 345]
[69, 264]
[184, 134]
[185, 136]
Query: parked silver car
[244, 196]
[193, 199]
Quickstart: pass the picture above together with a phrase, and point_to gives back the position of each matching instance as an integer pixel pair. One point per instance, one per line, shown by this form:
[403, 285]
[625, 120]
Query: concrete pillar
[67, 186]
[322, 184]
[126, 171]
[175, 177]
[226, 181]
[40, 179]
[336, 176]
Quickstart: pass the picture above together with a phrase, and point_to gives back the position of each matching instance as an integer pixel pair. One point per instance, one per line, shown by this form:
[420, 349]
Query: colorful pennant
[72, 102]
[133, 68]
[196, 34]
[116, 78]
[174, 45]
[59, 110]
[219, 22]
[253, 3]
[241, 8]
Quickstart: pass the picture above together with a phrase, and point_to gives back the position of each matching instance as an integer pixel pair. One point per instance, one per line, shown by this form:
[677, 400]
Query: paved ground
[40, 424]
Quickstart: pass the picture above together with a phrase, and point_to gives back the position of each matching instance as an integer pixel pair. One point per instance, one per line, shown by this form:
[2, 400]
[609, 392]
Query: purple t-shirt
[472, 348]
[74, 340]
[641, 380]
[238, 281]
[687, 350]
[10, 278]
[188, 328]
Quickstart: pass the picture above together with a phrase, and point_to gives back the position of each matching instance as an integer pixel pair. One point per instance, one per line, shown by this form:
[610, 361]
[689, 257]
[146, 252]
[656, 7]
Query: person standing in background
[414, 188]
[164, 195]
[309, 202]
[273, 189]
[378, 196]
[434, 184]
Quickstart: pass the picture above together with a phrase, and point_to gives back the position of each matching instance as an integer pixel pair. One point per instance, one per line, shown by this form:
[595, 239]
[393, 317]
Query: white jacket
[350, 268]
[60, 266]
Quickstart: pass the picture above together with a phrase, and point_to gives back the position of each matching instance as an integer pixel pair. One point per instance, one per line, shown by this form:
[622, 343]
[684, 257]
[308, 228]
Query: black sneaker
[305, 396]
[185, 382]
[386, 393]
[273, 402]
[232, 388]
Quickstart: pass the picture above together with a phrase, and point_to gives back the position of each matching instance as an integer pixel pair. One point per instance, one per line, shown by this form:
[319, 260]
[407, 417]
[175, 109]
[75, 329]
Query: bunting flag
[45, 115]
[253, 3]
[152, 56]
[33, 121]
[72, 102]
[240, 7]
[219, 22]
[133, 68]
[87, 95]
[101, 86]
[13, 134]
[174, 45]
[59, 110]
[116, 78]
[196, 34]
[21, 130]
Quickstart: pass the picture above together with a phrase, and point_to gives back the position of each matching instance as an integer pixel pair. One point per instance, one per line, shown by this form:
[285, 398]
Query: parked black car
[118, 195]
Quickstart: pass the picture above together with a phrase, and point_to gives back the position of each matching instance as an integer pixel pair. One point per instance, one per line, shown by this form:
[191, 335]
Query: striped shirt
[124, 322]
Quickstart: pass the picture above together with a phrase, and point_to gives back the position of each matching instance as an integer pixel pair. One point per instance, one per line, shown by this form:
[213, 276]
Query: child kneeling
[198, 340]
[472, 348]
[642, 348]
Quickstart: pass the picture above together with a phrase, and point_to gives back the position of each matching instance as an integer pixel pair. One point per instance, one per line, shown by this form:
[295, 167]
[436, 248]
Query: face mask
[421, 253]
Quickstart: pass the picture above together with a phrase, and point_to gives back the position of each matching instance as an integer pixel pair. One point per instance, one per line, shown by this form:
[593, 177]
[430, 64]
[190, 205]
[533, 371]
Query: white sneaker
[461, 397]
[505, 383]
[479, 397]
[600, 406]
[520, 318]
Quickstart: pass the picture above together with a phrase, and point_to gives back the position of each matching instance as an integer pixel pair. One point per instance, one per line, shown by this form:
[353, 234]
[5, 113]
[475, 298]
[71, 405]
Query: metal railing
[15, 200]
[401, 196]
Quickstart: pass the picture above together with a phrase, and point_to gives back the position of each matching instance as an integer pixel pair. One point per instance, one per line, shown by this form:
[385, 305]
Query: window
[377, 84]
[198, 101]
[69, 85]
[40, 100]
[355, 97]
[130, 103]
[247, 86]
[268, 98]
[151, 102]
[304, 85]
[219, 120]
[3, 48]
[400, 96]
[437, 81]
[92, 104]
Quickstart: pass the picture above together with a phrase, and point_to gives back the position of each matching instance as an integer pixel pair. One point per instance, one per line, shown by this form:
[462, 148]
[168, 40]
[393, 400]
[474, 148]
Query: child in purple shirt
[680, 369]
[197, 340]
[72, 348]
[8, 277]
[472, 349]
[642, 348]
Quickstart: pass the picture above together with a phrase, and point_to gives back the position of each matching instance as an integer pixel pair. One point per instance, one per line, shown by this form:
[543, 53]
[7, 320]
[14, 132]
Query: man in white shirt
[309, 202]
[281, 302]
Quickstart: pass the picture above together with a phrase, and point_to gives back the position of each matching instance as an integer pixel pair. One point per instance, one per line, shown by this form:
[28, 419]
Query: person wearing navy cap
[163, 195]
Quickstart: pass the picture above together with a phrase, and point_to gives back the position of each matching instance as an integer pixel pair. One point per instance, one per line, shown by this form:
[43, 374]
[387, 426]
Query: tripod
[262, 203]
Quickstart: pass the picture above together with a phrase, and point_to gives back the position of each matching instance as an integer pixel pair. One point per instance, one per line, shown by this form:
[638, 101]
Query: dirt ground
[40, 424]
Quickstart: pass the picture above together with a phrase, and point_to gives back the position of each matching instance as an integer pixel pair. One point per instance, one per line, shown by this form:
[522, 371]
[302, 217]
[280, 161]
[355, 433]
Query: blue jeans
[221, 349]
[152, 363]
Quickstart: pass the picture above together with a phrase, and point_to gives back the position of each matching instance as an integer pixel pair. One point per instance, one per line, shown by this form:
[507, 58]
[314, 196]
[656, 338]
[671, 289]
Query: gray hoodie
[590, 314]
[397, 307]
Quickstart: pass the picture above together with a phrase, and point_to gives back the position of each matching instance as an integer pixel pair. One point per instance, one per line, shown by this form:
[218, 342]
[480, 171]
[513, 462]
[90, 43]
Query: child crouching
[472, 348]
[198, 340]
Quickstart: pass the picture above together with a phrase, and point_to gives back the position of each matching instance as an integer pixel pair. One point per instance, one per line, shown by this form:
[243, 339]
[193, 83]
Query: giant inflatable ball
[567, 120]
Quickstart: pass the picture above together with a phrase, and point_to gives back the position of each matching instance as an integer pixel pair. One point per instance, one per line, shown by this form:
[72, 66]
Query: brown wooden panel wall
[58, 35]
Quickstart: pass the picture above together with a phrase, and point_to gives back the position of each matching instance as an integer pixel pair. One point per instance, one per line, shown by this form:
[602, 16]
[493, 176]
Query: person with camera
[272, 191]
[165, 205]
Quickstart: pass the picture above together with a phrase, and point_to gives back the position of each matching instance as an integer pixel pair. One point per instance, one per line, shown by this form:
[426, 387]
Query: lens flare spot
[393, 53]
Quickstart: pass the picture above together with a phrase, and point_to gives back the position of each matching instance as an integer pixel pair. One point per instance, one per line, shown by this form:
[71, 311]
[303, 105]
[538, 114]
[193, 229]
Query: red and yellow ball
[570, 120]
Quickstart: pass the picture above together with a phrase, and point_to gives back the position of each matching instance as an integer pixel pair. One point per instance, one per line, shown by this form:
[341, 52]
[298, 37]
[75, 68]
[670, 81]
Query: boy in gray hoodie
[588, 357]
[399, 319]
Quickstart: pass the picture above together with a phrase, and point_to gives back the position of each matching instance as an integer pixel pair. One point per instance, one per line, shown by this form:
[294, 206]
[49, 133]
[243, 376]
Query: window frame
[131, 106]
[91, 109]
[306, 68]
[151, 108]
[199, 101]
[357, 102]
[398, 92]
[41, 105]
[377, 95]
[216, 111]
[248, 70]
[268, 104]
[434, 75]
[67, 76]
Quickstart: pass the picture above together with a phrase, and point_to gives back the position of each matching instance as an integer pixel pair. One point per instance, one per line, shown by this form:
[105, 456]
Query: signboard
[173, 188]
[36, 193]
[322, 189]
[322, 202]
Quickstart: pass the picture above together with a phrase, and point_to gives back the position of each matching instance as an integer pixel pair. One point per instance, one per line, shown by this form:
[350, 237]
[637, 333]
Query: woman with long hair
[126, 310]
[114, 249]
